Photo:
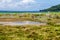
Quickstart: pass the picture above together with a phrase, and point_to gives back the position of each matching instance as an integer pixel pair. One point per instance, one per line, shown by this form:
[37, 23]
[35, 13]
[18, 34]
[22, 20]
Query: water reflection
[21, 23]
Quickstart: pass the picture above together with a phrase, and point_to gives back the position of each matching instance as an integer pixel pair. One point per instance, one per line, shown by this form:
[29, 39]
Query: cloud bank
[16, 4]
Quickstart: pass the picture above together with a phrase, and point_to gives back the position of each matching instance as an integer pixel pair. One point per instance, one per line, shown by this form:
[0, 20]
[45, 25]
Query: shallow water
[21, 23]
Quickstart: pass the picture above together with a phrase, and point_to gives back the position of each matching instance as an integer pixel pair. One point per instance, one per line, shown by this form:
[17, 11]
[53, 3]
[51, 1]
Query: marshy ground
[50, 31]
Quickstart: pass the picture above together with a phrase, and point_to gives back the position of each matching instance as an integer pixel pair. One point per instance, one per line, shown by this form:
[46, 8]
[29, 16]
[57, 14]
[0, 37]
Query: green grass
[51, 31]
[30, 32]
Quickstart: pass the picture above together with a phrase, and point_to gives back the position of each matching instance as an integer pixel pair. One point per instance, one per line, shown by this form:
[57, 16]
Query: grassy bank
[41, 17]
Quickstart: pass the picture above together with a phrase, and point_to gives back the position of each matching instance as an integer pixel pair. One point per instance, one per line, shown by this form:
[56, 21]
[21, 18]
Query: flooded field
[22, 23]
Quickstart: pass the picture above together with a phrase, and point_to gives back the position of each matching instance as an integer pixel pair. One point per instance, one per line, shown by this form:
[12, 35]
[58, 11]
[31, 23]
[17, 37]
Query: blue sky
[26, 5]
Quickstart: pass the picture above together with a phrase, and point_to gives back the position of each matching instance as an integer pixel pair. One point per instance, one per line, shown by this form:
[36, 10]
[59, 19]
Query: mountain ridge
[53, 8]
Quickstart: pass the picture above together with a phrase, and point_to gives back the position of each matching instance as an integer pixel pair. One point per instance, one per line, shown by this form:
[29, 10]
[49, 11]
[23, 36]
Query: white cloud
[27, 1]
[5, 1]
[11, 4]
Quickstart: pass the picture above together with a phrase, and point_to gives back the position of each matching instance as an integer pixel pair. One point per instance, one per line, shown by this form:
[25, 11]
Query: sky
[27, 5]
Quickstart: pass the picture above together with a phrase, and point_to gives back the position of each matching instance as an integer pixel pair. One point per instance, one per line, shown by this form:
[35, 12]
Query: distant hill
[53, 8]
